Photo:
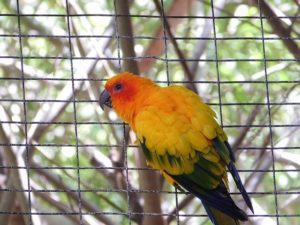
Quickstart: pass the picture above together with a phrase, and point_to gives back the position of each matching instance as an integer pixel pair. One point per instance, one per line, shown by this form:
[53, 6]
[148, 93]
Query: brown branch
[14, 181]
[55, 109]
[274, 110]
[107, 173]
[156, 46]
[149, 180]
[230, 13]
[125, 31]
[294, 19]
[7, 200]
[239, 140]
[278, 27]
[180, 54]
[100, 46]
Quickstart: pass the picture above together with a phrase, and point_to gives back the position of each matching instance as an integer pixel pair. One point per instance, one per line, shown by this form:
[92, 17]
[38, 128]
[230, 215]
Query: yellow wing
[177, 127]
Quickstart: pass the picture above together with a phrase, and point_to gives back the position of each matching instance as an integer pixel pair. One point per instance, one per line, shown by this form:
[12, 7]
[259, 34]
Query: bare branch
[152, 200]
[125, 30]
[278, 27]
[17, 178]
[238, 141]
[181, 56]
[156, 46]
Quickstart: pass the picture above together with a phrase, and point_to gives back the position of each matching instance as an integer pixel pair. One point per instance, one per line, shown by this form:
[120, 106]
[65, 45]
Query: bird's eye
[118, 87]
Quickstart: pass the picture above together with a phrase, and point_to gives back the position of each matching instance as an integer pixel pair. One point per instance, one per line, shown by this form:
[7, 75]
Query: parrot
[179, 136]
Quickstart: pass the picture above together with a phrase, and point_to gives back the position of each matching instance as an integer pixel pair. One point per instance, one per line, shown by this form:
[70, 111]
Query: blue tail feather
[239, 184]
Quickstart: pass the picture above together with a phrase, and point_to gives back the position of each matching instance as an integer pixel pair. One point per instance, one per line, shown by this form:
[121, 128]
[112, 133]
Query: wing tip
[240, 186]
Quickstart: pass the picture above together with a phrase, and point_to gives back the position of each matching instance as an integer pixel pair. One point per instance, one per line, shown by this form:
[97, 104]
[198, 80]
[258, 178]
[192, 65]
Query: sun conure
[180, 136]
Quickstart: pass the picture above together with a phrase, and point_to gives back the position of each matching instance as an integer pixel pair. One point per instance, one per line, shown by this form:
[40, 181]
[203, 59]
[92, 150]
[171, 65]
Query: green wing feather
[206, 183]
[224, 149]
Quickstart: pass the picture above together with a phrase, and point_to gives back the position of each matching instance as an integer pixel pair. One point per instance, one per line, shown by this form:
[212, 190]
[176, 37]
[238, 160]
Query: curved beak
[105, 99]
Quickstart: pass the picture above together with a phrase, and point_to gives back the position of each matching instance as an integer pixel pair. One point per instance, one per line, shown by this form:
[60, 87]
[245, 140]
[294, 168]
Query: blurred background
[63, 160]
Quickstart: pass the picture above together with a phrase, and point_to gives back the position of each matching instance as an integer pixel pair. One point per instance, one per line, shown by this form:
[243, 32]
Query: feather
[240, 186]
[217, 198]
[225, 151]
[232, 157]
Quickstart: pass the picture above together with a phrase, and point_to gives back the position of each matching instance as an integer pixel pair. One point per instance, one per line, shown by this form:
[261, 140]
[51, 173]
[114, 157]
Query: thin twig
[156, 45]
[239, 140]
[181, 56]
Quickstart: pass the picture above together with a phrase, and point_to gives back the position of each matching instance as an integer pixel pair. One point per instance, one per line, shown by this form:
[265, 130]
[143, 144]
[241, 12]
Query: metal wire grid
[28, 144]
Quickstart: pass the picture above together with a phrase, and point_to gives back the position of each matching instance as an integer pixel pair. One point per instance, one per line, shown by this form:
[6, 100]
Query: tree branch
[14, 182]
[125, 30]
[156, 46]
[278, 27]
[180, 54]
[239, 140]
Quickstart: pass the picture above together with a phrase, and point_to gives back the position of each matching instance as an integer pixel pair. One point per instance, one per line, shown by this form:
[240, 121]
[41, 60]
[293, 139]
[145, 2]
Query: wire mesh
[63, 159]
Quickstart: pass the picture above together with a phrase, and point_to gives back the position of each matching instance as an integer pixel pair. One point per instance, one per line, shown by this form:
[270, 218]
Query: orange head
[125, 92]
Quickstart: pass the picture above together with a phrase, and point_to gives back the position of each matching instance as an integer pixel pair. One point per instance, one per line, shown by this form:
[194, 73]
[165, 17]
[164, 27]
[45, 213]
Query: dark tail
[240, 186]
[217, 202]
[231, 167]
